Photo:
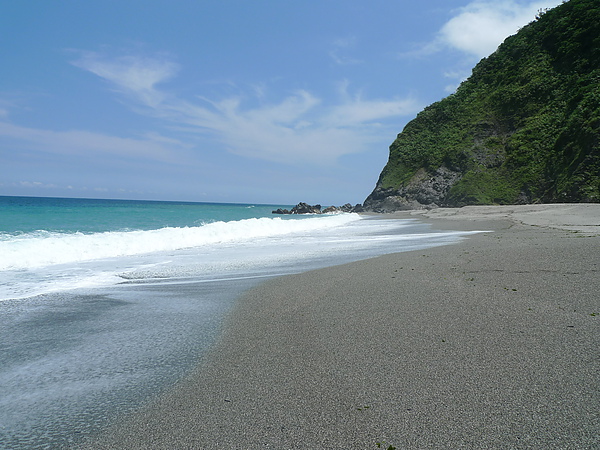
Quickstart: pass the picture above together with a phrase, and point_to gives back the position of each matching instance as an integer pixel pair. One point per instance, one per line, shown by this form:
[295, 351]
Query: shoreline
[490, 342]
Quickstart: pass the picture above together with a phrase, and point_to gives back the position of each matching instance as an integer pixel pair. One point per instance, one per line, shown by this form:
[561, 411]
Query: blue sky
[227, 101]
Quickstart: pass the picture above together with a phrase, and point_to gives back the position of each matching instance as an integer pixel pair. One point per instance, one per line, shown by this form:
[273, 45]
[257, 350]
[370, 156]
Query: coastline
[490, 342]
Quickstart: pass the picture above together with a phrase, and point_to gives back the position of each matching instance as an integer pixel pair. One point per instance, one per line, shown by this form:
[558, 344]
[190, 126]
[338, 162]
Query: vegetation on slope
[523, 128]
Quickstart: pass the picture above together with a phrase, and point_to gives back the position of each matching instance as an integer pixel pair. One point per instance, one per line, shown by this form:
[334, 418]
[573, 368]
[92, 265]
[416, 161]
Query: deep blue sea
[106, 303]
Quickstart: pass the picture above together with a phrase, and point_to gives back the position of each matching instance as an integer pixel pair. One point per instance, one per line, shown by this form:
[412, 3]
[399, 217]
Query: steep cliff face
[523, 128]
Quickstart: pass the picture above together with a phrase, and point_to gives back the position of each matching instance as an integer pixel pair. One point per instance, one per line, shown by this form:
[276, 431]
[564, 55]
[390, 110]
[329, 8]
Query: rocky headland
[523, 128]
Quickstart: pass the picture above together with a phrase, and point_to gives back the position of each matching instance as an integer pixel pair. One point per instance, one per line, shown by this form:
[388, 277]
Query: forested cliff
[523, 128]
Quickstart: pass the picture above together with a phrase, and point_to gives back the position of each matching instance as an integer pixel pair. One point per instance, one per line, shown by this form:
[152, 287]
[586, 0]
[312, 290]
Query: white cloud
[8, 104]
[85, 143]
[339, 51]
[61, 188]
[354, 109]
[367, 111]
[476, 30]
[35, 185]
[480, 27]
[134, 75]
[300, 128]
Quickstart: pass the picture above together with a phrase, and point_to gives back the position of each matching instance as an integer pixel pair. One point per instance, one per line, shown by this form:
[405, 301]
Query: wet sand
[489, 343]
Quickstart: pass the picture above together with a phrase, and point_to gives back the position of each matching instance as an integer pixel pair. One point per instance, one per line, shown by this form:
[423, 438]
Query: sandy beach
[489, 343]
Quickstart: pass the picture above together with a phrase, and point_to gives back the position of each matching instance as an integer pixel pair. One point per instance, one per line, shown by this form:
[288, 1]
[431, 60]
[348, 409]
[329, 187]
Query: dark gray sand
[490, 343]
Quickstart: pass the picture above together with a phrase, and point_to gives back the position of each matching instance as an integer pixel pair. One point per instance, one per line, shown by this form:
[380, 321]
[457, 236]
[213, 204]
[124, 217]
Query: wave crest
[42, 248]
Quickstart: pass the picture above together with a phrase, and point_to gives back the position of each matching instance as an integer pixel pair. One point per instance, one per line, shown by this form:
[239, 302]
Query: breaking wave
[43, 248]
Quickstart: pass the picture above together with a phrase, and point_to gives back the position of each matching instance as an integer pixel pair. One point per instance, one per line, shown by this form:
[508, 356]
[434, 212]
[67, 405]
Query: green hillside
[523, 128]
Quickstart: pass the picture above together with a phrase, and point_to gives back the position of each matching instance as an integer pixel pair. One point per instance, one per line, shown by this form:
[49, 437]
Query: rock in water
[305, 208]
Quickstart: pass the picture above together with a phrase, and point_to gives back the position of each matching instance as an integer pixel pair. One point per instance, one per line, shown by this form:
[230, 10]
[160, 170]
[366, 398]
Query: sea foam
[43, 248]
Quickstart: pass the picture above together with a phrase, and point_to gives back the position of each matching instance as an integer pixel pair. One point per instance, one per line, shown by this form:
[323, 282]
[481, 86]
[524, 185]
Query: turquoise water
[28, 214]
[50, 244]
[106, 303]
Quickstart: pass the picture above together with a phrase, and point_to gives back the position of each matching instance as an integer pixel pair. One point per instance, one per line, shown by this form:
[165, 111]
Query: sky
[235, 101]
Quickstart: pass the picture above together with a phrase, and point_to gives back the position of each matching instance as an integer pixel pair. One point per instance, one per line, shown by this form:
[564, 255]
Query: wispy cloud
[354, 109]
[89, 144]
[480, 27]
[129, 74]
[8, 103]
[340, 49]
[36, 186]
[299, 128]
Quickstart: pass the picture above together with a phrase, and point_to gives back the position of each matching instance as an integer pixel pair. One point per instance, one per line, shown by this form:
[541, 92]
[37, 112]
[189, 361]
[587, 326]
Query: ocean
[106, 303]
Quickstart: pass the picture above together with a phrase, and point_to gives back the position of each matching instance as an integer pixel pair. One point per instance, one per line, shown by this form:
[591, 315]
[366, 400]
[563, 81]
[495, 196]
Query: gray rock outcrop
[305, 208]
[423, 191]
